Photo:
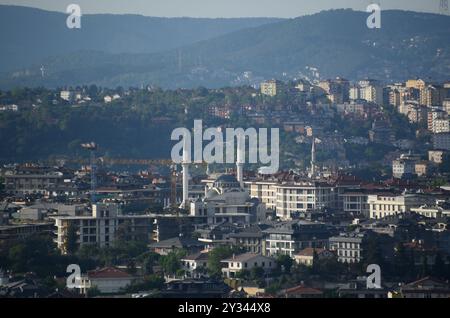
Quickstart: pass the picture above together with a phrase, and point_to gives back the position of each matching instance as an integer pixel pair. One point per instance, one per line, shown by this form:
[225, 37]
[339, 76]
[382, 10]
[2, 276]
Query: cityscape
[336, 182]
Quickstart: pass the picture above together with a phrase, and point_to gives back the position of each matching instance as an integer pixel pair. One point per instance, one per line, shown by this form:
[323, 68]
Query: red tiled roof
[108, 272]
[309, 251]
[301, 289]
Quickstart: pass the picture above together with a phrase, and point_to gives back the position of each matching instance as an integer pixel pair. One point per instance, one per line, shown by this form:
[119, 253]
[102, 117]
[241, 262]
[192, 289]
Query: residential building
[250, 238]
[195, 265]
[109, 280]
[33, 180]
[441, 141]
[303, 196]
[287, 238]
[436, 156]
[306, 256]
[355, 202]
[269, 88]
[302, 291]
[67, 95]
[177, 243]
[405, 165]
[348, 246]
[103, 226]
[382, 205]
[247, 261]
[427, 287]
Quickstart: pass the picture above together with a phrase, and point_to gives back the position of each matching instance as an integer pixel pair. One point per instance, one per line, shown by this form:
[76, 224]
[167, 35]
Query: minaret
[313, 158]
[185, 165]
[240, 163]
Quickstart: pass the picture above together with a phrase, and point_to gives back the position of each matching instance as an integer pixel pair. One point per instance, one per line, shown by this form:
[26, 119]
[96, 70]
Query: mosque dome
[226, 181]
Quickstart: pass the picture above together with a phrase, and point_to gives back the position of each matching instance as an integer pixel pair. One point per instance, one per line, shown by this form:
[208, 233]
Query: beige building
[383, 205]
[436, 156]
[269, 88]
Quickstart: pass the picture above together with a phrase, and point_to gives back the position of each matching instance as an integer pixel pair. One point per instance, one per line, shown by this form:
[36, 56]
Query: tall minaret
[313, 158]
[185, 165]
[240, 162]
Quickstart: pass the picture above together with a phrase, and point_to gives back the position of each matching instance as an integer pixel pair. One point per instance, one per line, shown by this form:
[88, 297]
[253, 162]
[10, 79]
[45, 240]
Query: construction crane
[92, 147]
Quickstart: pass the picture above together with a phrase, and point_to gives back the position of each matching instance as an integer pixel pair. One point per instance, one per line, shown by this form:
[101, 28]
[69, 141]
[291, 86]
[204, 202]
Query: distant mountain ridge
[30, 35]
[336, 42]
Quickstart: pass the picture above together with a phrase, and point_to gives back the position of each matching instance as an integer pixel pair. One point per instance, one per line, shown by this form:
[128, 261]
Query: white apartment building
[440, 126]
[431, 211]
[67, 95]
[102, 227]
[293, 197]
[247, 261]
[404, 165]
[383, 205]
[348, 247]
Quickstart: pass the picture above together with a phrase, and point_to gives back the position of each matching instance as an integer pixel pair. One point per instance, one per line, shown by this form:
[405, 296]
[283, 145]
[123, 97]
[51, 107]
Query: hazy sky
[222, 8]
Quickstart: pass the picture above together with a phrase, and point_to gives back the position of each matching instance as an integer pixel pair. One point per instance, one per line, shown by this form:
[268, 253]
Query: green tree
[171, 262]
[71, 245]
[285, 263]
[215, 257]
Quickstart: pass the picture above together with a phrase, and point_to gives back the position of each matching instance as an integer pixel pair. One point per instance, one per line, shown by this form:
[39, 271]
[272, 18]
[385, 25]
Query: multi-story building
[383, 205]
[405, 165]
[33, 180]
[269, 88]
[250, 238]
[105, 225]
[355, 202]
[247, 261]
[287, 238]
[289, 198]
[348, 246]
[435, 114]
[67, 95]
[436, 156]
[265, 191]
[303, 196]
[371, 91]
[441, 141]
[441, 126]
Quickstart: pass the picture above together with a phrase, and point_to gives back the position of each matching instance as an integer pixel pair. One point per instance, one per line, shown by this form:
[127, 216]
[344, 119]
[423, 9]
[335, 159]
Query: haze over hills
[336, 42]
[30, 35]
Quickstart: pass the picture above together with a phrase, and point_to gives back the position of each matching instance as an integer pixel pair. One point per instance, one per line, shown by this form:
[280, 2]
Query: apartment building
[33, 180]
[355, 202]
[405, 165]
[287, 238]
[348, 246]
[383, 205]
[269, 88]
[103, 226]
